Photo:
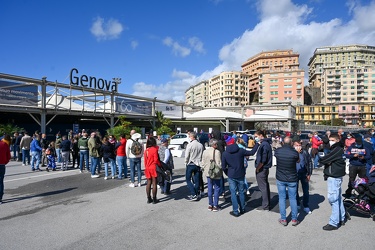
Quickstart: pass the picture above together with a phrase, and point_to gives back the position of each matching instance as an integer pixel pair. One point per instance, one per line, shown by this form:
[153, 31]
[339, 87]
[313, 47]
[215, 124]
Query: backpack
[48, 151]
[136, 148]
[215, 171]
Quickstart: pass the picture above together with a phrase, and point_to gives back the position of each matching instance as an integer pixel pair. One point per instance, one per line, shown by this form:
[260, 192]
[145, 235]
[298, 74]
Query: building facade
[197, 95]
[269, 62]
[343, 74]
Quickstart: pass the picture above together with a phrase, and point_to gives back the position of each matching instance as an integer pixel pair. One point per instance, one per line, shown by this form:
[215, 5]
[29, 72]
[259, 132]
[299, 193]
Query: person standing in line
[151, 160]
[213, 185]
[232, 163]
[25, 147]
[287, 180]
[121, 157]
[36, 151]
[75, 151]
[165, 156]
[108, 152]
[83, 152]
[4, 160]
[44, 144]
[65, 146]
[304, 172]
[94, 154]
[57, 147]
[19, 151]
[51, 153]
[193, 157]
[316, 142]
[334, 170]
[325, 139]
[216, 134]
[16, 145]
[134, 158]
[263, 162]
[241, 144]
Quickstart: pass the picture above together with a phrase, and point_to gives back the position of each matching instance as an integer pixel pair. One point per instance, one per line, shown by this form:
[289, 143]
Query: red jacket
[151, 157]
[4, 153]
[316, 142]
[121, 149]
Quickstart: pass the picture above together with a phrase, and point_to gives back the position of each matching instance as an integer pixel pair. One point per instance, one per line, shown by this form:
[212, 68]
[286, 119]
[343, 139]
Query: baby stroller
[362, 199]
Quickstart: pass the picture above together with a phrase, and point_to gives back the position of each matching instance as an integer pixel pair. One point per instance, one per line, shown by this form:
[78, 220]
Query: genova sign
[91, 82]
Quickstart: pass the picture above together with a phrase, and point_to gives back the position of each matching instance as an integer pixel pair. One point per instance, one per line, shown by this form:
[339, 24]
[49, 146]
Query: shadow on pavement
[38, 195]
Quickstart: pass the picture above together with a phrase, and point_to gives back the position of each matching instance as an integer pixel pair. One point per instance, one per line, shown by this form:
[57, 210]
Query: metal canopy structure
[40, 97]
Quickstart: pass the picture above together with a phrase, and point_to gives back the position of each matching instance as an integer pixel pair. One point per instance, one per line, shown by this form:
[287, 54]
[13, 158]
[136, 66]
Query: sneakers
[23, 164]
[139, 184]
[307, 210]
[106, 178]
[283, 222]
[234, 214]
[80, 171]
[131, 185]
[248, 192]
[215, 209]
[210, 208]
[94, 176]
[329, 227]
[193, 198]
[295, 223]
[113, 177]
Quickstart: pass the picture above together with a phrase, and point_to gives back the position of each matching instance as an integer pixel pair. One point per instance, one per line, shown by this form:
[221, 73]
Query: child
[50, 152]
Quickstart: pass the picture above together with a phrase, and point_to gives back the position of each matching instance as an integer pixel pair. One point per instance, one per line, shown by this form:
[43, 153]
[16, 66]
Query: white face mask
[331, 143]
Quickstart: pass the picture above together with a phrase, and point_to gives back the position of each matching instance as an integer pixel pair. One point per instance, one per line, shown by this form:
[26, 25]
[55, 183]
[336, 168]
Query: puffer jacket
[287, 158]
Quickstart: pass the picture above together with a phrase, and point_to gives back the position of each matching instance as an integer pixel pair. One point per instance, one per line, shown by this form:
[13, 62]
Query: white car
[181, 139]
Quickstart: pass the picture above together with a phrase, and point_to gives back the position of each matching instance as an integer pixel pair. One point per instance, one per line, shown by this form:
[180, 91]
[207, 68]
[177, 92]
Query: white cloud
[177, 49]
[108, 30]
[181, 74]
[282, 25]
[196, 44]
[134, 44]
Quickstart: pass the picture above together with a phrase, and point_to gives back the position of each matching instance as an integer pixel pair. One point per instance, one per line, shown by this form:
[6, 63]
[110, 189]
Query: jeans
[2, 174]
[65, 159]
[26, 155]
[236, 187]
[135, 163]
[58, 155]
[264, 187]
[222, 185]
[113, 167]
[190, 170]
[122, 166]
[292, 190]
[316, 161]
[35, 159]
[16, 148]
[83, 156]
[334, 199]
[94, 163]
[305, 188]
[213, 189]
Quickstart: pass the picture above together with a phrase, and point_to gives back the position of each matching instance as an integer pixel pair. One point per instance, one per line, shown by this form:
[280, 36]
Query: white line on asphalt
[35, 176]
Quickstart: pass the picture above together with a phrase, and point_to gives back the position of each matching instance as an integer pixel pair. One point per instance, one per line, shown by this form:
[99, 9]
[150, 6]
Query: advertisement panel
[132, 106]
[169, 110]
[18, 93]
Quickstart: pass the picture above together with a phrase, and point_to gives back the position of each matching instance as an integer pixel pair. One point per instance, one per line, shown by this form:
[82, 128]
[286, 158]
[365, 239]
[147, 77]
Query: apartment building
[197, 95]
[268, 63]
[343, 74]
[353, 114]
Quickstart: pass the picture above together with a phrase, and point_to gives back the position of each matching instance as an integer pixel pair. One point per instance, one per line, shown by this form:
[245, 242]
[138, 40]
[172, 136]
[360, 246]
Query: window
[311, 109]
[343, 107]
[353, 107]
[274, 92]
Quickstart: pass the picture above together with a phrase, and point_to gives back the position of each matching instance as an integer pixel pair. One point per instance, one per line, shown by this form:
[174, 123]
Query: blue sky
[160, 48]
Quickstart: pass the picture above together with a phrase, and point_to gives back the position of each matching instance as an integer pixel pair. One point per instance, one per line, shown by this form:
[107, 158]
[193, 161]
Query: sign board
[132, 106]
[75, 128]
[18, 93]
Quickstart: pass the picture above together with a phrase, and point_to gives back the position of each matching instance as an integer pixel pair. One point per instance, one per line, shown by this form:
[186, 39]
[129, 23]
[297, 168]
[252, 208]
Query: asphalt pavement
[69, 210]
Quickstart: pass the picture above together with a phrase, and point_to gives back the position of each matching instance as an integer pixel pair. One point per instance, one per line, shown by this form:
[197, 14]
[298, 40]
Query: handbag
[215, 171]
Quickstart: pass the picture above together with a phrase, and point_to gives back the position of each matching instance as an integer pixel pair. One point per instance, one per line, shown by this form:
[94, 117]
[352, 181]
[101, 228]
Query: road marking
[36, 176]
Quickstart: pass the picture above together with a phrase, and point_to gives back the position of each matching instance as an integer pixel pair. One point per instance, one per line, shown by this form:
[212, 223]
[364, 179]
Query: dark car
[305, 140]
[204, 138]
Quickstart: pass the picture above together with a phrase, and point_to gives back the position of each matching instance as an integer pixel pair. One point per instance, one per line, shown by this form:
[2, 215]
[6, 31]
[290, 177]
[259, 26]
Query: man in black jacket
[287, 178]
[334, 170]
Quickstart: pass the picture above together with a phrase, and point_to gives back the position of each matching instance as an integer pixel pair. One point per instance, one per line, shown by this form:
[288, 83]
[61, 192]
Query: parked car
[305, 140]
[181, 139]
[204, 138]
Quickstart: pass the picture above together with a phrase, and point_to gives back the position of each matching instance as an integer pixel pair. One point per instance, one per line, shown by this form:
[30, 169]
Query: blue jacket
[35, 145]
[264, 154]
[364, 150]
[65, 145]
[232, 161]
[287, 158]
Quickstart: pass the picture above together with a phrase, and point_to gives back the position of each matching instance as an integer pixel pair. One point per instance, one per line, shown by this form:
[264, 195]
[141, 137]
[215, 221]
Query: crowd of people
[226, 158]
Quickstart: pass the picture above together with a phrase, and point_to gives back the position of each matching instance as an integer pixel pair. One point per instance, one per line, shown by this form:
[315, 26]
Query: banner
[169, 110]
[132, 106]
[18, 93]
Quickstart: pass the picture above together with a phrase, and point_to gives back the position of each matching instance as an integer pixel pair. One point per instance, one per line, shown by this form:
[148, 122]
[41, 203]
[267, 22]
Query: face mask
[297, 148]
[256, 139]
[331, 143]
[342, 133]
[372, 133]
[349, 137]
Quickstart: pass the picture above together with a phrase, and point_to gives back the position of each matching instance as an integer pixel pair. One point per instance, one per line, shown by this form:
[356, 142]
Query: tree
[123, 128]
[162, 124]
[9, 129]
[335, 122]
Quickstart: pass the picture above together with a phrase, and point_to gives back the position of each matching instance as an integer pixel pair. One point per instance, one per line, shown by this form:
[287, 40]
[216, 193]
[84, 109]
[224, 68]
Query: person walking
[193, 157]
[334, 170]
[4, 160]
[151, 161]
[287, 180]
[213, 184]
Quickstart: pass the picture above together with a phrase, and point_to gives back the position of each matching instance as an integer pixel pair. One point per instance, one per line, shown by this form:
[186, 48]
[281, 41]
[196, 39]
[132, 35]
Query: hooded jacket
[232, 161]
[334, 161]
